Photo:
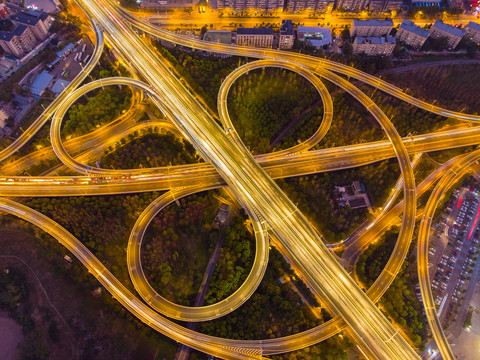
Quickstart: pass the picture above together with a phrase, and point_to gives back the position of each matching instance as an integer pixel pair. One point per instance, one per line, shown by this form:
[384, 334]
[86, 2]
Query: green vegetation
[203, 73]
[235, 260]
[263, 102]
[175, 251]
[315, 196]
[150, 150]
[451, 86]
[468, 320]
[399, 302]
[103, 107]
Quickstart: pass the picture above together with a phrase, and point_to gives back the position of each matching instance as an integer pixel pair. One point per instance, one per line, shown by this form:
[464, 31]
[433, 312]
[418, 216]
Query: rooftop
[19, 30]
[439, 24]
[25, 19]
[375, 40]
[411, 27]
[286, 28]
[255, 31]
[41, 83]
[317, 36]
[6, 35]
[373, 22]
[474, 25]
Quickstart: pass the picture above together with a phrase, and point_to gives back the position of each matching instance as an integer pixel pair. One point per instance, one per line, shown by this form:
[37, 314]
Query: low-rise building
[256, 37]
[38, 23]
[17, 42]
[3, 118]
[472, 31]
[411, 34]
[315, 36]
[287, 35]
[353, 195]
[371, 27]
[4, 12]
[453, 34]
[218, 36]
[374, 45]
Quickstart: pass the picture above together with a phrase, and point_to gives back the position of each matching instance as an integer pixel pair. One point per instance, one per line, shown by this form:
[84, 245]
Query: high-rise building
[411, 34]
[39, 23]
[453, 34]
[17, 42]
[371, 27]
[472, 31]
[256, 37]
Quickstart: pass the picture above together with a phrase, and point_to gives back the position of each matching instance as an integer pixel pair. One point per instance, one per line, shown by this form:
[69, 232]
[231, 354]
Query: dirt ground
[10, 336]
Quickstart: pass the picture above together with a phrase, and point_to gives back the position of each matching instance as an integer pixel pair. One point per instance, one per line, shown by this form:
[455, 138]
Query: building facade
[4, 12]
[168, 4]
[352, 4]
[374, 46]
[38, 23]
[241, 5]
[369, 28]
[287, 35]
[453, 34]
[411, 34]
[385, 5]
[472, 31]
[315, 5]
[17, 42]
[256, 37]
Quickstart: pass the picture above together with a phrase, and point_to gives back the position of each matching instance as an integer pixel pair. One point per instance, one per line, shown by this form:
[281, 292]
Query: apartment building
[287, 35]
[241, 5]
[168, 4]
[472, 31]
[411, 34]
[369, 28]
[315, 5]
[256, 37]
[38, 23]
[17, 42]
[353, 4]
[453, 34]
[374, 45]
[385, 5]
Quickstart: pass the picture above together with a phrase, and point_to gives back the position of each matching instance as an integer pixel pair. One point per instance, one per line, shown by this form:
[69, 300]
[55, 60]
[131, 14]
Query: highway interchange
[229, 163]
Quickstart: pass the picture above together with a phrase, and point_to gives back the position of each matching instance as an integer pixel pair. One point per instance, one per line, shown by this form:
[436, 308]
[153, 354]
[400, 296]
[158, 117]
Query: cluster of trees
[175, 251]
[102, 223]
[14, 299]
[316, 198]
[274, 310]
[263, 102]
[407, 118]
[399, 302]
[103, 107]
[429, 12]
[451, 86]
[203, 73]
[150, 150]
[234, 263]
